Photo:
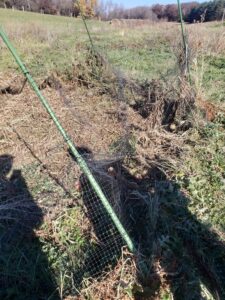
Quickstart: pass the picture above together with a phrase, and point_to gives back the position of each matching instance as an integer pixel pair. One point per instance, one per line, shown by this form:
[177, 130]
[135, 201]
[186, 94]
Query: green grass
[205, 174]
[52, 43]
[142, 63]
[214, 78]
[191, 219]
[45, 43]
[194, 211]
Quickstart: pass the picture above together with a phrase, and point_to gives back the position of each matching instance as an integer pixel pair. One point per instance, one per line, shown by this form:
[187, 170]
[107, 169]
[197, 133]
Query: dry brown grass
[116, 284]
[81, 119]
[206, 39]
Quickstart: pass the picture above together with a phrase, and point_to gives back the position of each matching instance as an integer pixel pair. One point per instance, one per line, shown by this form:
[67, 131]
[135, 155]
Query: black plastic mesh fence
[42, 150]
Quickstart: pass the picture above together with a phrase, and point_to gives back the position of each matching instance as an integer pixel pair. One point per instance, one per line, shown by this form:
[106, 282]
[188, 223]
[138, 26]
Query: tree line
[192, 12]
[207, 11]
[107, 10]
[71, 8]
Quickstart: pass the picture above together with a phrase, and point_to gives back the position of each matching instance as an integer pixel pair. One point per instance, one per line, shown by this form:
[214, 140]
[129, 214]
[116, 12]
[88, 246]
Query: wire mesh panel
[96, 242]
[107, 241]
[103, 250]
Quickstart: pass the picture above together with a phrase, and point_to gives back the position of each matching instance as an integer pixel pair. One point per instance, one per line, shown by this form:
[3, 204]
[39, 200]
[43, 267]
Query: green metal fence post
[183, 38]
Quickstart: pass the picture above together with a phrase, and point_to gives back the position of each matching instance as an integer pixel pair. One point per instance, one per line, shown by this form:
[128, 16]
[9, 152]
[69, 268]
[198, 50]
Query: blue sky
[133, 3]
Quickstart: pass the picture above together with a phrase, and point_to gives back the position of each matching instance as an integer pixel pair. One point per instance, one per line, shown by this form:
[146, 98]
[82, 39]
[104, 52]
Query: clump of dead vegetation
[155, 112]
[159, 116]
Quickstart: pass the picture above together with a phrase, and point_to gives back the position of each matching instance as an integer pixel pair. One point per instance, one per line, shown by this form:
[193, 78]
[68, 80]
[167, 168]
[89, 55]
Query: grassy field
[177, 166]
[55, 43]
[51, 43]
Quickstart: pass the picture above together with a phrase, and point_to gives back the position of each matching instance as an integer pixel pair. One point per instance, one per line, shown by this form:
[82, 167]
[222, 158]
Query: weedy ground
[179, 156]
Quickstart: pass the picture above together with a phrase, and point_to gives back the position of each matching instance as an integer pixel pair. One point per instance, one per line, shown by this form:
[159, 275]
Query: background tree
[86, 7]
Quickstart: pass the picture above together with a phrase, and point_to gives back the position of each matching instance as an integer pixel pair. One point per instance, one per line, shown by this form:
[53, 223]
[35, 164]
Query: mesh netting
[43, 150]
[108, 242]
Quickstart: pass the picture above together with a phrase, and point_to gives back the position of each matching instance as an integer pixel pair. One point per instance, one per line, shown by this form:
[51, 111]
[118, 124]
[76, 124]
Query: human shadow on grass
[171, 240]
[190, 254]
[24, 268]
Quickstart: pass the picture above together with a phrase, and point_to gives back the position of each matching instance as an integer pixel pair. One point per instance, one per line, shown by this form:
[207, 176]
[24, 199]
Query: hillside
[154, 141]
